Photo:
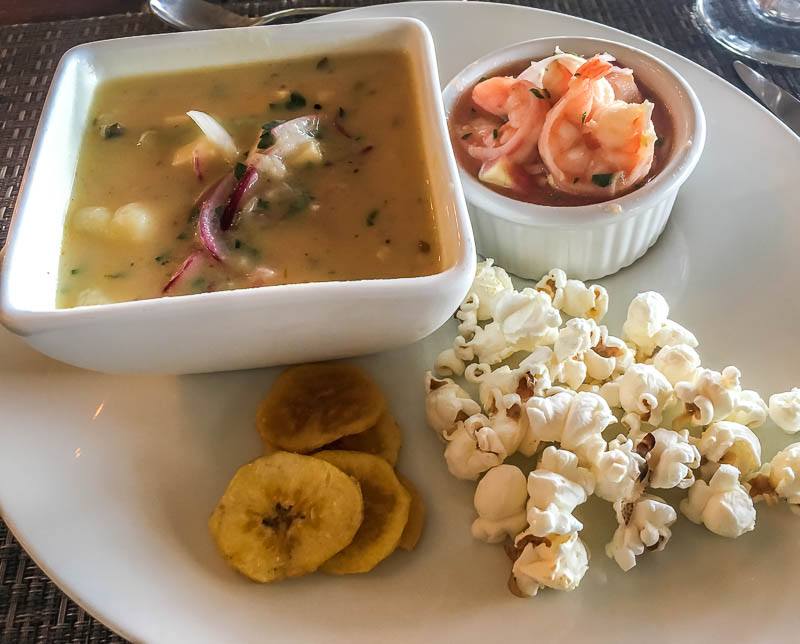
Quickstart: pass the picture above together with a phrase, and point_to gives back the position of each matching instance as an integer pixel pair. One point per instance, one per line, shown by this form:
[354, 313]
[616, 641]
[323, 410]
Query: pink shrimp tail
[594, 68]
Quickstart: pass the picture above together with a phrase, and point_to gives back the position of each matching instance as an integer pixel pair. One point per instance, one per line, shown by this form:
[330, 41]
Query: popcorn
[711, 396]
[749, 409]
[562, 391]
[448, 363]
[784, 475]
[587, 417]
[642, 524]
[575, 338]
[784, 410]
[648, 326]
[573, 297]
[505, 421]
[619, 471]
[733, 444]
[546, 420]
[678, 363]
[672, 460]
[555, 488]
[558, 562]
[489, 284]
[500, 500]
[723, 505]
[647, 314]
[643, 393]
[526, 319]
[445, 404]
[473, 448]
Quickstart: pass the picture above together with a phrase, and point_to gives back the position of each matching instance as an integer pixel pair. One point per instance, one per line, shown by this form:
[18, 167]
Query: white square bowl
[230, 329]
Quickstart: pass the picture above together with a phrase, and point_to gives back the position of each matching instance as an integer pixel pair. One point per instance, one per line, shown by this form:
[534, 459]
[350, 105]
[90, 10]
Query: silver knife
[777, 100]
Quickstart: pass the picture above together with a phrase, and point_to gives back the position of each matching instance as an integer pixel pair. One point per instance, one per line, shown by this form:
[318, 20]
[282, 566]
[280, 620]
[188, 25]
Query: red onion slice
[208, 221]
[247, 181]
[184, 270]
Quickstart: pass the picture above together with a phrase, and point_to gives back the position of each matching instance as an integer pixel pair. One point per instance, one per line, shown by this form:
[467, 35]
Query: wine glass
[765, 30]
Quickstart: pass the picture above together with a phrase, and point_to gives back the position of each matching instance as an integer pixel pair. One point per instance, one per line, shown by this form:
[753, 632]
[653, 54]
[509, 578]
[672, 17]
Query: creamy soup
[301, 171]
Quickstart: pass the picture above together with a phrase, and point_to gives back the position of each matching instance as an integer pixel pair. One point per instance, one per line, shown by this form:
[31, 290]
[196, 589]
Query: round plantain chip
[383, 439]
[312, 405]
[386, 505]
[284, 515]
[416, 516]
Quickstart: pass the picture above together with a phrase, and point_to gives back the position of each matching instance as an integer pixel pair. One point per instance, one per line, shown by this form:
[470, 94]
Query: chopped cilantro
[114, 276]
[371, 217]
[603, 180]
[495, 133]
[182, 236]
[75, 271]
[163, 259]
[540, 93]
[238, 170]
[583, 118]
[266, 139]
[111, 131]
[341, 113]
[299, 204]
[466, 136]
[296, 101]
[323, 63]
[237, 243]
[262, 204]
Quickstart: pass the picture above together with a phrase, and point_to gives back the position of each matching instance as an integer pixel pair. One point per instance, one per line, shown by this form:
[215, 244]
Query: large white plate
[108, 481]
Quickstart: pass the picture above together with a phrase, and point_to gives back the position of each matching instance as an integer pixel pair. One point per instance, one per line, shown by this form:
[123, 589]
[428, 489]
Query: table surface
[32, 608]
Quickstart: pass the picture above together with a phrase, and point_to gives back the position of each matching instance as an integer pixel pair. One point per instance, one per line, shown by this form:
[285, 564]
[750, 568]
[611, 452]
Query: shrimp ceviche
[562, 131]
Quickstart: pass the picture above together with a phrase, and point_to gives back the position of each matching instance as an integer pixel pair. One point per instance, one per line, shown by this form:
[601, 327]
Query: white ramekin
[588, 242]
[230, 329]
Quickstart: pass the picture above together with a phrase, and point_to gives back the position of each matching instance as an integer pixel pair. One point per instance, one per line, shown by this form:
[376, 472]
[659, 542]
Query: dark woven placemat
[32, 608]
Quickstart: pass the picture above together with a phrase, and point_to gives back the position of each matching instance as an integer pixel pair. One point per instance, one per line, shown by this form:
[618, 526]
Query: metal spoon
[190, 15]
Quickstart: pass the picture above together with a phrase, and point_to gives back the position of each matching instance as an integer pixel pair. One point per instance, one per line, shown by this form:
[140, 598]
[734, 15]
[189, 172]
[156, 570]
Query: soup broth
[353, 203]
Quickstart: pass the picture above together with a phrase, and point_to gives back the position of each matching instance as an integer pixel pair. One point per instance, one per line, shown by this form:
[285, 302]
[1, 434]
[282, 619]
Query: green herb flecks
[495, 133]
[583, 118]
[266, 139]
[342, 113]
[238, 170]
[323, 64]
[464, 137]
[262, 204]
[299, 204]
[371, 217]
[603, 180]
[112, 130]
[115, 276]
[296, 101]
[541, 94]
[163, 259]
[198, 284]
[75, 271]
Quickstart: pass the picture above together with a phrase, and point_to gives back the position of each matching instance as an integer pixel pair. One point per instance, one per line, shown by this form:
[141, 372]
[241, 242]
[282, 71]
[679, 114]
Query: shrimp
[517, 138]
[624, 85]
[553, 73]
[593, 144]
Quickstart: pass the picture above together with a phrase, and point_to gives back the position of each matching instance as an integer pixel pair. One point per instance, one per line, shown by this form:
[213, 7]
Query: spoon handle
[295, 11]
[190, 15]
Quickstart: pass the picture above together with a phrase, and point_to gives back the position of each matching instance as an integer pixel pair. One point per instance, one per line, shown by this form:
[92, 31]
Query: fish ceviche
[562, 131]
